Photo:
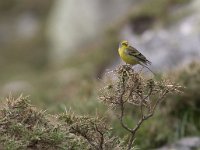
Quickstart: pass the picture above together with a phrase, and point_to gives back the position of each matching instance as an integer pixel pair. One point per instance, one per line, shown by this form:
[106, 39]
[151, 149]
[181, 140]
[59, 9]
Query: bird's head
[124, 43]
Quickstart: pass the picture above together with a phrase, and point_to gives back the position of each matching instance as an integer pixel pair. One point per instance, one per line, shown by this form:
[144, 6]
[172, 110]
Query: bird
[132, 56]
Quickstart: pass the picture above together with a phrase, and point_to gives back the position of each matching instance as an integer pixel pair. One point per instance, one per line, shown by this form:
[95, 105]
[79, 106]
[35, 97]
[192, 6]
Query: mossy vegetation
[22, 126]
[186, 107]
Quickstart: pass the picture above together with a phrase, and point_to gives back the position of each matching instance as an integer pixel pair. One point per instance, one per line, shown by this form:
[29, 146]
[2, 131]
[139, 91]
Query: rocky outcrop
[188, 143]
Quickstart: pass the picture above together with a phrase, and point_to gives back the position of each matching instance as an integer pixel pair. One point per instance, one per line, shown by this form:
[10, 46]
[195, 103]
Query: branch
[86, 137]
[122, 111]
[143, 118]
[101, 139]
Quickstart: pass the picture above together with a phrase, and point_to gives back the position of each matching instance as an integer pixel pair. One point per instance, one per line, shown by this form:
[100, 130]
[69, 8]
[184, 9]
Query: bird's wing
[134, 52]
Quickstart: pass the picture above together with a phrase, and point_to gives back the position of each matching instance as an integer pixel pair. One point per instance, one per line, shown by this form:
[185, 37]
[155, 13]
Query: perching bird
[131, 55]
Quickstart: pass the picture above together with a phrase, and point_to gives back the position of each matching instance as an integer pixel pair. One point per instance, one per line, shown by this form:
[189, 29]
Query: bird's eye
[124, 43]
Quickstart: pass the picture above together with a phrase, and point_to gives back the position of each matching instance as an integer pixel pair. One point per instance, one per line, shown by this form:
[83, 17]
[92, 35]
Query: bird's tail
[148, 62]
[148, 69]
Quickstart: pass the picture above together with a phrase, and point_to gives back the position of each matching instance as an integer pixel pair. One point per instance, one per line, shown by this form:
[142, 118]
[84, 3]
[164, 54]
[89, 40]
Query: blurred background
[57, 51]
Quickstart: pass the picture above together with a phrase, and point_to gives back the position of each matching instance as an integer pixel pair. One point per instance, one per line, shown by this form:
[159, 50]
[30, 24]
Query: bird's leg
[127, 67]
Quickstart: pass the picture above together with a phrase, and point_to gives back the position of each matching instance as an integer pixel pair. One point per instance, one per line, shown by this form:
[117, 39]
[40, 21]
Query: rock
[188, 143]
[192, 142]
[22, 27]
[27, 25]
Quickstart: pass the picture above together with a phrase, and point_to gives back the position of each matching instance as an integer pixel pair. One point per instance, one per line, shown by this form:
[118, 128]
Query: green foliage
[185, 109]
[159, 8]
[144, 16]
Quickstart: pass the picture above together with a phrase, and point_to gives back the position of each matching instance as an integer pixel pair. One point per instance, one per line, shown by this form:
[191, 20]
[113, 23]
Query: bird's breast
[127, 58]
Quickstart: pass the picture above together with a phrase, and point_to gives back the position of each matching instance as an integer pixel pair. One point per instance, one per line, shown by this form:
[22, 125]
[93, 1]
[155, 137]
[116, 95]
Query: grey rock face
[24, 26]
[188, 143]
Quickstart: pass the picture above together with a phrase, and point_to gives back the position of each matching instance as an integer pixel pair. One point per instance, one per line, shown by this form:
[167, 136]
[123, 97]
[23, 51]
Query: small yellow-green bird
[131, 55]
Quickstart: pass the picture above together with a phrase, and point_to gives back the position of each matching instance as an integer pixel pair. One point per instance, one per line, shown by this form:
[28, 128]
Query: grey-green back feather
[134, 52]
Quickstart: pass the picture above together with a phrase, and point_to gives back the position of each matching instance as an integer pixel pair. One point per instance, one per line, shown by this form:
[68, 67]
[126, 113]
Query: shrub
[130, 92]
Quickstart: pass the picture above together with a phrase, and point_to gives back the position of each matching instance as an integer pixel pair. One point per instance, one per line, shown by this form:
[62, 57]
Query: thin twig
[122, 111]
[101, 139]
[131, 141]
[86, 137]
[143, 118]
[122, 107]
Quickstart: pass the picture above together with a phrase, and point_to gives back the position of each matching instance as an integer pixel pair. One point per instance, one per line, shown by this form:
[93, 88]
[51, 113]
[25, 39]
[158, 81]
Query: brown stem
[142, 119]
[101, 139]
[122, 111]
[131, 141]
[86, 137]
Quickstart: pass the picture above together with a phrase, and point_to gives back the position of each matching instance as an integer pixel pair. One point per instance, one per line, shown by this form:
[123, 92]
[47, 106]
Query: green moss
[9, 143]
[158, 10]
